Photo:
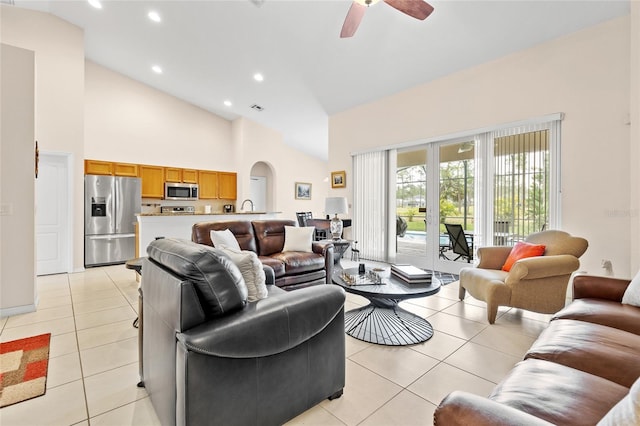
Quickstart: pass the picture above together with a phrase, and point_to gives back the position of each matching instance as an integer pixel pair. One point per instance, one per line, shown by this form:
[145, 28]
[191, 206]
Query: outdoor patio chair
[459, 243]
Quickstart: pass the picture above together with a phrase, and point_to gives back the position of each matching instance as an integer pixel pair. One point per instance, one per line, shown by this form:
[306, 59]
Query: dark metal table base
[385, 323]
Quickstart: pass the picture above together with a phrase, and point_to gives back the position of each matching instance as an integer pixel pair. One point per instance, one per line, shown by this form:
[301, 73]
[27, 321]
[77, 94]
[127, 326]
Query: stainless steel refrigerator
[110, 208]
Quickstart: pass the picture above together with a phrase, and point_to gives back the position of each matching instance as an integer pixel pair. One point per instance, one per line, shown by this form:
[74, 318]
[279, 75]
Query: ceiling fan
[418, 9]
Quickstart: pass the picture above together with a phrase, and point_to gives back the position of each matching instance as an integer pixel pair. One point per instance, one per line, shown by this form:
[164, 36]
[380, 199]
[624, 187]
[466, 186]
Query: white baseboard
[17, 310]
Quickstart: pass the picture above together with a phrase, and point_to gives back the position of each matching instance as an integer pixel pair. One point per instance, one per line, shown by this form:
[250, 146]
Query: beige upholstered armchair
[537, 284]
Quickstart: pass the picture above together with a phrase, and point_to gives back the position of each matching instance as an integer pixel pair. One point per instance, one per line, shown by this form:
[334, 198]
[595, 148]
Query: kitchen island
[171, 225]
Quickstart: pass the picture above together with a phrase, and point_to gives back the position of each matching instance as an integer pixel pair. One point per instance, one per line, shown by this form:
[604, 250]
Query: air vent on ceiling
[257, 107]
[9, 2]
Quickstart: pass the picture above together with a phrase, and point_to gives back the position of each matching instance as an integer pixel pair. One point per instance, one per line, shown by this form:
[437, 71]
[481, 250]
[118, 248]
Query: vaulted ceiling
[210, 50]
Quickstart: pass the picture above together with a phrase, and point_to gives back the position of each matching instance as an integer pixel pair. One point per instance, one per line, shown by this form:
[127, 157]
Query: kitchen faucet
[242, 206]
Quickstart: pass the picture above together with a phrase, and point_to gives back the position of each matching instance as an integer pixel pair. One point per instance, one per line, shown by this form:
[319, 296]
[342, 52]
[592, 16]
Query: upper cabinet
[152, 181]
[125, 169]
[213, 184]
[227, 185]
[208, 184]
[174, 174]
[218, 185]
[95, 167]
[189, 176]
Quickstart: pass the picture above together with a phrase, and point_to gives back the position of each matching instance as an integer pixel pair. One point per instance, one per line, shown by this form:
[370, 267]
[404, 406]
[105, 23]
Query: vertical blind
[370, 204]
[520, 183]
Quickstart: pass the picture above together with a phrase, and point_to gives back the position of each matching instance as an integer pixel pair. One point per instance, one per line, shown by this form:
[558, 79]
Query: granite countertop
[203, 214]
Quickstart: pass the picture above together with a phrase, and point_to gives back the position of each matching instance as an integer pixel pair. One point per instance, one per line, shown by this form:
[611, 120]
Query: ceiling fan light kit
[418, 9]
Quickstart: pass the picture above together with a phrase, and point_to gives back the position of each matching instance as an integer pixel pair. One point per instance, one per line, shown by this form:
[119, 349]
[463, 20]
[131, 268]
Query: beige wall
[91, 112]
[17, 187]
[128, 121]
[585, 75]
[634, 145]
[132, 122]
[259, 143]
[59, 103]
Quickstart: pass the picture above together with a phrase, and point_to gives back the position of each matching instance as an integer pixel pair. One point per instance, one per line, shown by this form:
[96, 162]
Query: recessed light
[258, 77]
[154, 16]
[227, 103]
[157, 69]
[95, 3]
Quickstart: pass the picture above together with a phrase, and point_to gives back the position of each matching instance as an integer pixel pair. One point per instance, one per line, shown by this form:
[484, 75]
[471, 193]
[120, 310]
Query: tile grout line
[75, 327]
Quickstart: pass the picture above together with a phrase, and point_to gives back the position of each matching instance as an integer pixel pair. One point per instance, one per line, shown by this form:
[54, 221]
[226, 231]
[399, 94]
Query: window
[500, 183]
[521, 185]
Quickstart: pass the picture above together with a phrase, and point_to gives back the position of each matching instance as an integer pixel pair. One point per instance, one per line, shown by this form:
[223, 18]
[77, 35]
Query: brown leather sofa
[294, 269]
[579, 367]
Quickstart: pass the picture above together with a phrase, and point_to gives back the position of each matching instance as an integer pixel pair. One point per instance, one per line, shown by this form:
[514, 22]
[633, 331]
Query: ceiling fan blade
[419, 9]
[351, 22]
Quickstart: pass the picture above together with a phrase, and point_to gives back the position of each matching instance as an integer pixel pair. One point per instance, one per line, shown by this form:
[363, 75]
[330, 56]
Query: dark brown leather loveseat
[578, 369]
[266, 238]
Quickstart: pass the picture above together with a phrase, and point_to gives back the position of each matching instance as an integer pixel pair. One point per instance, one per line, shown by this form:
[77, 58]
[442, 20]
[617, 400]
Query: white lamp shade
[336, 205]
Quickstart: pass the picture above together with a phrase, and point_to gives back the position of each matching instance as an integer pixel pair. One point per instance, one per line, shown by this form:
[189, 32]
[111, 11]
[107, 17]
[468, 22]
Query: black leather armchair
[211, 357]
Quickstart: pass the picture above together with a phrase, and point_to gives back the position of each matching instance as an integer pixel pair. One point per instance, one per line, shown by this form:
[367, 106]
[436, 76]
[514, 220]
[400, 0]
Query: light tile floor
[93, 367]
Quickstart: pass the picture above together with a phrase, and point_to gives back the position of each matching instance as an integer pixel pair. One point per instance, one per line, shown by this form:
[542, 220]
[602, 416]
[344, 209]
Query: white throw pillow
[252, 272]
[632, 294]
[221, 239]
[627, 411]
[298, 238]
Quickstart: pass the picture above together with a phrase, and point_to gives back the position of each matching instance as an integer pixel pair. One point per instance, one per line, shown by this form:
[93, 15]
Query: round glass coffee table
[383, 321]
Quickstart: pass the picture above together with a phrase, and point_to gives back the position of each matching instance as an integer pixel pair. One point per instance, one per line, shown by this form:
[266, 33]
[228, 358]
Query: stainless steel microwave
[180, 191]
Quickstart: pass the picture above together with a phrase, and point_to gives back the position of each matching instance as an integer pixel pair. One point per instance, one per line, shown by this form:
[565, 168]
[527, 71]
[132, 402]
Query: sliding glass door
[411, 206]
[453, 196]
[434, 187]
[456, 199]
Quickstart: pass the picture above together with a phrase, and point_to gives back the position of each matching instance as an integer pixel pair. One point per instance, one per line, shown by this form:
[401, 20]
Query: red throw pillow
[522, 250]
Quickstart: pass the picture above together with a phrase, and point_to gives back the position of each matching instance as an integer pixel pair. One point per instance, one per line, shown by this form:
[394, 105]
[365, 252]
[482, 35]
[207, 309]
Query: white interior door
[258, 193]
[52, 214]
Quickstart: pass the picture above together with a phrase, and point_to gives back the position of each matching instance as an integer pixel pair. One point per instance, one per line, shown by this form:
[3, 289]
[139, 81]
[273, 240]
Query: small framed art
[338, 179]
[303, 191]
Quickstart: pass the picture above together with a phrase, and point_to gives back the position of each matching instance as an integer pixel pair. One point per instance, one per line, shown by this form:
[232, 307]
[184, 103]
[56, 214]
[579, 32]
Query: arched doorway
[261, 190]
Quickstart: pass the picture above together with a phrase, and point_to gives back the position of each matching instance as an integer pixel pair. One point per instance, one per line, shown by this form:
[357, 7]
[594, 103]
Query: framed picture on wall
[303, 191]
[338, 179]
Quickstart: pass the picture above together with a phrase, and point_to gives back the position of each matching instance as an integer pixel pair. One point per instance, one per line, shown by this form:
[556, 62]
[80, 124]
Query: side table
[340, 247]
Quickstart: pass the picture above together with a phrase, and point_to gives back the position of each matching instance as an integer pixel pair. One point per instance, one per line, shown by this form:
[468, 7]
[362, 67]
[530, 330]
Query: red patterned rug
[23, 369]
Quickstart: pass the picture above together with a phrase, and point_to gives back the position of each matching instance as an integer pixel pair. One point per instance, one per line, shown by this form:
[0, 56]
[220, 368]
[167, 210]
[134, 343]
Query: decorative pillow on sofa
[221, 239]
[522, 250]
[632, 293]
[298, 238]
[626, 411]
[252, 272]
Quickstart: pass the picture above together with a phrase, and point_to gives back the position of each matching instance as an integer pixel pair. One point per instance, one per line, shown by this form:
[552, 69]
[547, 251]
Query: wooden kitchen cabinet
[208, 184]
[227, 185]
[152, 181]
[95, 167]
[189, 176]
[172, 174]
[125, 169]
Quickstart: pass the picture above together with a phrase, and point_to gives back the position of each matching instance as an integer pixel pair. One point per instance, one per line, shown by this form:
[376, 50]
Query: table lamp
[336, 205]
